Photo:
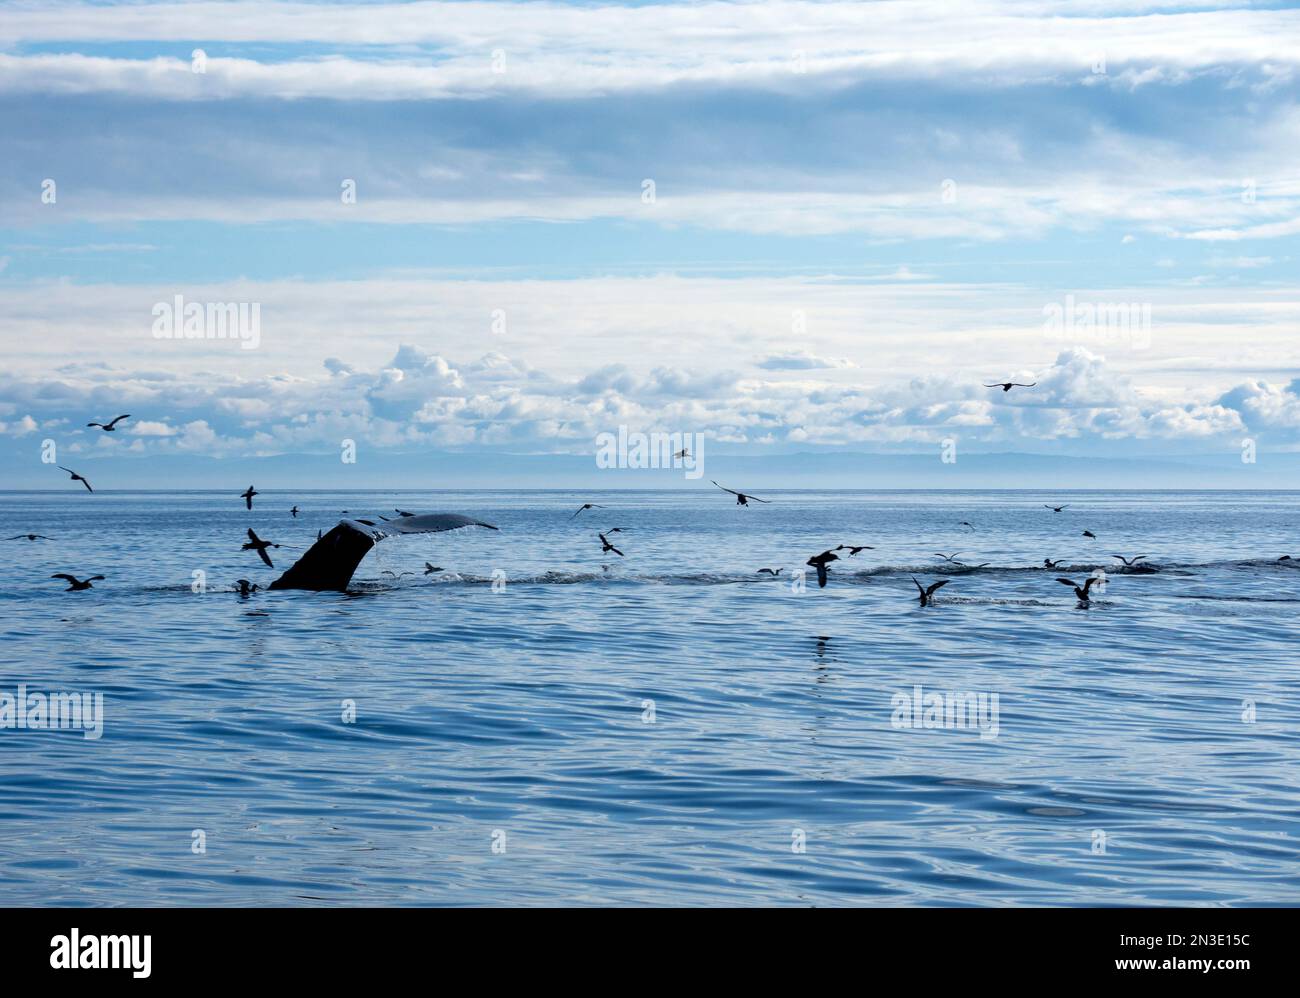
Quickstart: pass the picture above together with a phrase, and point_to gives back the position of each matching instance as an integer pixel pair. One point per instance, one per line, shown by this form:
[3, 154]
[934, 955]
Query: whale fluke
[330, 563]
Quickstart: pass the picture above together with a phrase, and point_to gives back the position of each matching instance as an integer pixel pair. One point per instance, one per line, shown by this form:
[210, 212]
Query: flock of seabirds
[407, 522]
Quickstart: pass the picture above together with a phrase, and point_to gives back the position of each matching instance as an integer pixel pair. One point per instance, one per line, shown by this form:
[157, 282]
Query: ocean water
[672, 729]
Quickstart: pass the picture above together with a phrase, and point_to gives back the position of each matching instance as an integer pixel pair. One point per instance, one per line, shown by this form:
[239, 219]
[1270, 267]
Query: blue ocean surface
[664, 728]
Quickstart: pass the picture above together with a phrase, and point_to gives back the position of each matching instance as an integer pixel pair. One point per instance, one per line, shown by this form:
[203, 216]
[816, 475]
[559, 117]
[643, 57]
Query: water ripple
[671, 730]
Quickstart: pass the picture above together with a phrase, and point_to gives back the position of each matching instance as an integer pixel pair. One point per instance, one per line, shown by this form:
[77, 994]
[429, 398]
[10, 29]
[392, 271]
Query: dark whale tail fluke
[330, 563]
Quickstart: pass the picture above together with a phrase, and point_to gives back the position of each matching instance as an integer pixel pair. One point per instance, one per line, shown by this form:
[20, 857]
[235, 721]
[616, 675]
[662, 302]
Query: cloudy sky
[786, 225]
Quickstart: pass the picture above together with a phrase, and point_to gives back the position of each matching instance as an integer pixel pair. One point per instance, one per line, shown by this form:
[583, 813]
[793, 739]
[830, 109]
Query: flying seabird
[1056, 509]
[246, 588]
[966, 523]
[329, 564]
[741, 498]
[430, 569]
[586, 505]
[1129, 562]
[948, 557]
[111, 425]
[248, 496]
[927, 595]
[30, 537]
[1081, 593]
[1089, 533]
[1006, 386]
[294, 512]
[395, 575]
[76, 477]
[682, 454]
[1048, 563]
[255, 543]
[769, 571]
[607, 546]
[854, 549]
[820, 562]
[75, 585]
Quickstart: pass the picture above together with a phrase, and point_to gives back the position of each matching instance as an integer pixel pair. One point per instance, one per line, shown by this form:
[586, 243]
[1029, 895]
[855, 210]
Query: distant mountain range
[826, 470]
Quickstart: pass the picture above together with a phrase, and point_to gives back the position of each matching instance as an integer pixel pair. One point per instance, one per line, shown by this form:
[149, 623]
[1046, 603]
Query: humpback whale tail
[331, 561]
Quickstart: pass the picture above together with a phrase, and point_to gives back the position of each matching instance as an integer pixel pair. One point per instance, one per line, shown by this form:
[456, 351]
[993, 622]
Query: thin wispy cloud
[558, 49]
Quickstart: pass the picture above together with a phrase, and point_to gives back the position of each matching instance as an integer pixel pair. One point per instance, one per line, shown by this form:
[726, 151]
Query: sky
[508, 227]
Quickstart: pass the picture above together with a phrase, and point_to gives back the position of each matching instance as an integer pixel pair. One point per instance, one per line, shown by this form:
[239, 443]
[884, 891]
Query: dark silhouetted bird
[607, 546]
[1082, 594]
[1130, 562]
[30, 537]
[742, 499]
[1089, 533]
[927, 594]
[852, 549]
[819, 562]
[769, 571]
[246, 588]
[74, 584]
[76, 477]
[587, 505]
[248, 496]
[1006, 386]
[1056, 509]
[255, 543]
[111, 425]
